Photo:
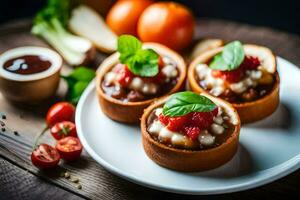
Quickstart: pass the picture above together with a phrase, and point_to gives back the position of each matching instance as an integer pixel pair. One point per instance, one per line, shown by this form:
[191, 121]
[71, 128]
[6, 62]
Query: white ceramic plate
[268, 149]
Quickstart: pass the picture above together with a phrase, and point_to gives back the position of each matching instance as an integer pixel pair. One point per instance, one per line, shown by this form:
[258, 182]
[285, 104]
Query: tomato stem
[39, 136]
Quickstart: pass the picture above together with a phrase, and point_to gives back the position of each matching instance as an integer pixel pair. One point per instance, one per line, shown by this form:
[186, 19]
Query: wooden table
[20, 180]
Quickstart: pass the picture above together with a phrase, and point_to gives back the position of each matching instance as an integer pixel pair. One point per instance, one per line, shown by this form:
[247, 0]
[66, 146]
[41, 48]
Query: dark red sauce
[30, 64]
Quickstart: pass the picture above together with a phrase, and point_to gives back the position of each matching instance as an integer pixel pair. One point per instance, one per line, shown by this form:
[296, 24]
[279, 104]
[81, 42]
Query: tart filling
[194, 130]
[243, 77]
[141, 73]
[120, 83]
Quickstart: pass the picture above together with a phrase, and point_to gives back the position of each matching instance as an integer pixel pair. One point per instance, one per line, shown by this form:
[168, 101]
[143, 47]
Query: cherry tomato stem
[63, 129]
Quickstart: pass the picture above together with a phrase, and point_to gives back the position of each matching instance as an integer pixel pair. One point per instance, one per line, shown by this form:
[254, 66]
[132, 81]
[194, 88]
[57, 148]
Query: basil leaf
[147, 63]
[182, 103]
[82, 74]
[127, 46]
[218, 63]
[233, 54]
[77, 81]
[76, 91]
[141, 62]
[230, 58]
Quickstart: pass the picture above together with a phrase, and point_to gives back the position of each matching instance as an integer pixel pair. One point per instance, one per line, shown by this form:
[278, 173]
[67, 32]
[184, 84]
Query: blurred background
[278, 14]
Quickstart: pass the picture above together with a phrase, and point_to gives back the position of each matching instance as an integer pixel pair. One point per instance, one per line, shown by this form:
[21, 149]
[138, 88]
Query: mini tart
[248, 111]
[191, 160]
[131, 112]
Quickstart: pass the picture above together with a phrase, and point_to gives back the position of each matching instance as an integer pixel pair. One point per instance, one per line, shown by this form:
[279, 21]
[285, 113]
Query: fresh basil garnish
[77, 81]
[182, 103]
[230, 58]
[141, 62]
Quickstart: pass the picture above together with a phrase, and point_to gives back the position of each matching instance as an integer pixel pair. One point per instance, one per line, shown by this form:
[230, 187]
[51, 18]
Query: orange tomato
[124, 15]
[168, 23]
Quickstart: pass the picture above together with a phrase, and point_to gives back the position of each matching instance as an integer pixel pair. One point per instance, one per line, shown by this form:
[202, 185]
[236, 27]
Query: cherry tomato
[69, 148]
[63, 129]
[124, 15]
[62, 111]
[168, 23]
[44, 156]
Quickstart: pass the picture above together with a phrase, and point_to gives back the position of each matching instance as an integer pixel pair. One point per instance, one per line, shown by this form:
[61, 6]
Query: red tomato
[44, 156]
[69, 148]
[62, 111]
[123, 16]
[168, 23]
[63, 129]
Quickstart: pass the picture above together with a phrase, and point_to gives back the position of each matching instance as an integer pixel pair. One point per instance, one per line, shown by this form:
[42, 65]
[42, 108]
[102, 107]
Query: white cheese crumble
[169, 71]
[179, 140]
[243, 85]
[168, 60]
[218, 120]
[110, 77]
[155, 127]
[217, 85]
[165, 134]
[217, 129]
[158, 111]
[206, 139]
[138, 84]
[149, 88]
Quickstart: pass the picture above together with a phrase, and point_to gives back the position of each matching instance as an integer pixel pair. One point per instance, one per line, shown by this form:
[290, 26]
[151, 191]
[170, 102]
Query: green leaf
[77, 81]
[141, 62]
[76, 91]
[233, 54]
[230, 58]
[127, 46]
[144, 63]
[58, 9]
[182, 103]
[218, 63]
[82, 74]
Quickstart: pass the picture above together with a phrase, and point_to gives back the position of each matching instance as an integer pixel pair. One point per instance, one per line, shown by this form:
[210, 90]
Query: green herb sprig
[182, 103]
[77, 81]
[230, 58]
[141, 62]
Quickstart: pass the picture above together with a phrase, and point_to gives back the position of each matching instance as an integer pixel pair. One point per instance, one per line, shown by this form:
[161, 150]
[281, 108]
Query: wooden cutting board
[28, 121]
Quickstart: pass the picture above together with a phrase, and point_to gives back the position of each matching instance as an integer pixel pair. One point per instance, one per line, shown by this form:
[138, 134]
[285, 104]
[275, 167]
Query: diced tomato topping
[161, 63]
[189, 124]
[163, 119]
[192, 132]
[177, 123]
[202, 119]
[125, 75]
[215, 111]
[230, 76]
[250, 63]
